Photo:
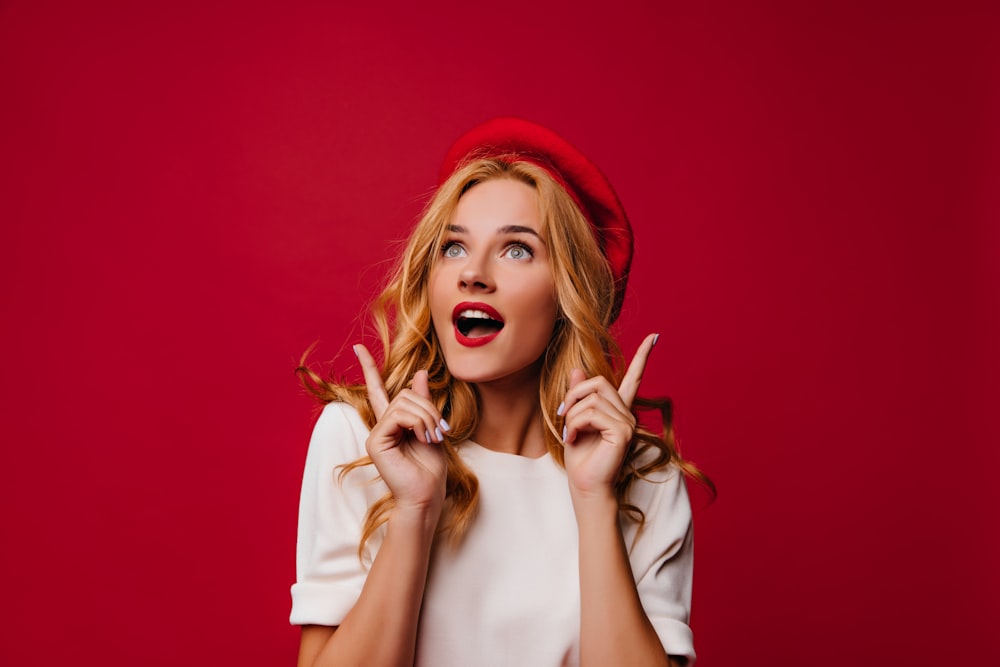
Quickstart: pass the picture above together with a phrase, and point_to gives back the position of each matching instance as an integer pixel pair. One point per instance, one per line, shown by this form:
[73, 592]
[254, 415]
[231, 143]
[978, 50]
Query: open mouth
[476, 323]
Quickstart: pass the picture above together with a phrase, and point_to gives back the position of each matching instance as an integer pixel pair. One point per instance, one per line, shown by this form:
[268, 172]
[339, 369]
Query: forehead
[495, 204]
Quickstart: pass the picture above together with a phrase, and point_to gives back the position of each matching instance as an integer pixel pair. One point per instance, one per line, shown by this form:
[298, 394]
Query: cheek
[436, 299]
[434, 284]
[542, 299]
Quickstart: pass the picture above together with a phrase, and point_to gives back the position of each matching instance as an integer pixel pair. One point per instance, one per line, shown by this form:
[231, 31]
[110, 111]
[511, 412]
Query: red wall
[191, 196]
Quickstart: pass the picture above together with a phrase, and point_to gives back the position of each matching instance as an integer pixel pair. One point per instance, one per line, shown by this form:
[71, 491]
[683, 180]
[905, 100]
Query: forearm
[381, 628]
[614, 628]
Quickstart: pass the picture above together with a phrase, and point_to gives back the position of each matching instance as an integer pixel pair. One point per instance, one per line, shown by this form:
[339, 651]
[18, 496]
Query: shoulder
[339, 433]
[663, 499]
[666, 485]
[665, 482]
[340, 419]
[338, 440]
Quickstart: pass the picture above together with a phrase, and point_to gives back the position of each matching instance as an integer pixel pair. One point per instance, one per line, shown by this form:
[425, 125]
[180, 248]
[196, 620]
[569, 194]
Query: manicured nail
[444, 425]
[561, 409]
[655, 339]
[427, 436]
[440, 436]
[355, 348]
[564, 434]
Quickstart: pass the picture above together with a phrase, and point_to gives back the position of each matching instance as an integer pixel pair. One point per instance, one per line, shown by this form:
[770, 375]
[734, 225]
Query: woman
[516, 513]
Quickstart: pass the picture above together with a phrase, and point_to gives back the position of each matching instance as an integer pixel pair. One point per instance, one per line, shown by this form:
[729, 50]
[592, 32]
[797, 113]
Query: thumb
[420, 384]
[576, 376]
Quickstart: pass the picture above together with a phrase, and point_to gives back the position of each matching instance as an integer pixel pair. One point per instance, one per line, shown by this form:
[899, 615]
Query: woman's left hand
[599, 427]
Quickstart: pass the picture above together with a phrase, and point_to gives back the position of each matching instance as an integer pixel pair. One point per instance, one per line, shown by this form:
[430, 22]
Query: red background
[192, 194]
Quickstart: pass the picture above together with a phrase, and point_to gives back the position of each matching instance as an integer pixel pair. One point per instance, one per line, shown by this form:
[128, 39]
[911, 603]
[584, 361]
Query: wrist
[423, 516]
[595, 503]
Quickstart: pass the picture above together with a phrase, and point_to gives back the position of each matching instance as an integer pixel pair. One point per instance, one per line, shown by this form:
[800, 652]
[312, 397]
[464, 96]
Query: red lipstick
[468, 311]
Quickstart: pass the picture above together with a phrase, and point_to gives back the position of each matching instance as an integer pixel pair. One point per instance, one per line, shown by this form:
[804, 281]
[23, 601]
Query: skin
[404, 445]
[496, 254]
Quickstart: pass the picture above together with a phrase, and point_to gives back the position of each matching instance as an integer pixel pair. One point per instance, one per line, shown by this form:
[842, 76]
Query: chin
[467, 370]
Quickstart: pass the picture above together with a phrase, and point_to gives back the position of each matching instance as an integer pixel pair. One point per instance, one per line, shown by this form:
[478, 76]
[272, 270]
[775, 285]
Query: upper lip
[489, 310]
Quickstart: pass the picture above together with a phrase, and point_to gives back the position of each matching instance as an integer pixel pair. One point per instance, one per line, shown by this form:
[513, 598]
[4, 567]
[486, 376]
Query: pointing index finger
[373, 381]
[633, 376]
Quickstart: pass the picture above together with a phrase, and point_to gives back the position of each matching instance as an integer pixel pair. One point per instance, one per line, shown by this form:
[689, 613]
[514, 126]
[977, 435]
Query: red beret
[523, 140]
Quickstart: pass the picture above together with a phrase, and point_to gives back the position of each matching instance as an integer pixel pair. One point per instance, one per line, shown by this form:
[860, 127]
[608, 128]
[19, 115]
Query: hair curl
[585, 293]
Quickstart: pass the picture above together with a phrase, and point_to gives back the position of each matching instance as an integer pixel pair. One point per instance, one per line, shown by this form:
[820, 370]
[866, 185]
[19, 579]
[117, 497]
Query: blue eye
[452, 250]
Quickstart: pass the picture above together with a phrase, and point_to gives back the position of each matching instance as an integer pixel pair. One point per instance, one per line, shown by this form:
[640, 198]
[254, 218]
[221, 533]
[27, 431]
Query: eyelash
[523, 246]
[447, 245]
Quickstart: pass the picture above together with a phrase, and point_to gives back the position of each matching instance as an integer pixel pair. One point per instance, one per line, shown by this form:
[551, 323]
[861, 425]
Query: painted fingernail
[564, 434]
[444, 425]
[427, 436]
[655, 339]
[355, 348]
[440, 436]
[561, 409]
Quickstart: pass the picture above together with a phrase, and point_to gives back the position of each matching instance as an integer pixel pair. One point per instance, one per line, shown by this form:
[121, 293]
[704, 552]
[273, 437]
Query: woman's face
[492, 297]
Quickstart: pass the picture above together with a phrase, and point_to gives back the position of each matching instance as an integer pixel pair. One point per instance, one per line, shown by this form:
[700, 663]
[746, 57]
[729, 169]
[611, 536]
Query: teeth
[476, 315]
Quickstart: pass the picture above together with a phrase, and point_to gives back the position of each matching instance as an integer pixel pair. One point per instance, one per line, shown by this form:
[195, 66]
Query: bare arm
[614, 628]
[381, 627]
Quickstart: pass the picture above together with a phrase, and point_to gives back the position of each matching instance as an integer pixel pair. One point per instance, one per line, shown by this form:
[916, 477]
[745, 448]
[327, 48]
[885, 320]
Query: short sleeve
[662, 558]
[329, 573]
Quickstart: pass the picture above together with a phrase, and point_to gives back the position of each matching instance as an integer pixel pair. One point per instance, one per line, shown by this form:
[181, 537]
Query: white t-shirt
[510, 593]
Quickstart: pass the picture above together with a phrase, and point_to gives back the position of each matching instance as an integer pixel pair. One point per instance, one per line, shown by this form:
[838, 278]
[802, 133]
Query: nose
[475, 277]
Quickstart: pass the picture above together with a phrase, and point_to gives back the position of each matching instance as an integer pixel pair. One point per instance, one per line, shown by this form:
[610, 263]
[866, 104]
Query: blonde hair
[585, 293]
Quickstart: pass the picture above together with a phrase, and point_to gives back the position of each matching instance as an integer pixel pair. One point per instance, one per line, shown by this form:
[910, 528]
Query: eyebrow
[506, 229]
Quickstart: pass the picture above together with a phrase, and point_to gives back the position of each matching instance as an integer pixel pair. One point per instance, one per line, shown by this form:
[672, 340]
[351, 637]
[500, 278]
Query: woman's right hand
[405, 443]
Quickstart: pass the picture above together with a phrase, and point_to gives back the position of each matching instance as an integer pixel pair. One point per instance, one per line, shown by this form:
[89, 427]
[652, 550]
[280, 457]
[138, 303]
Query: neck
[510, 418]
